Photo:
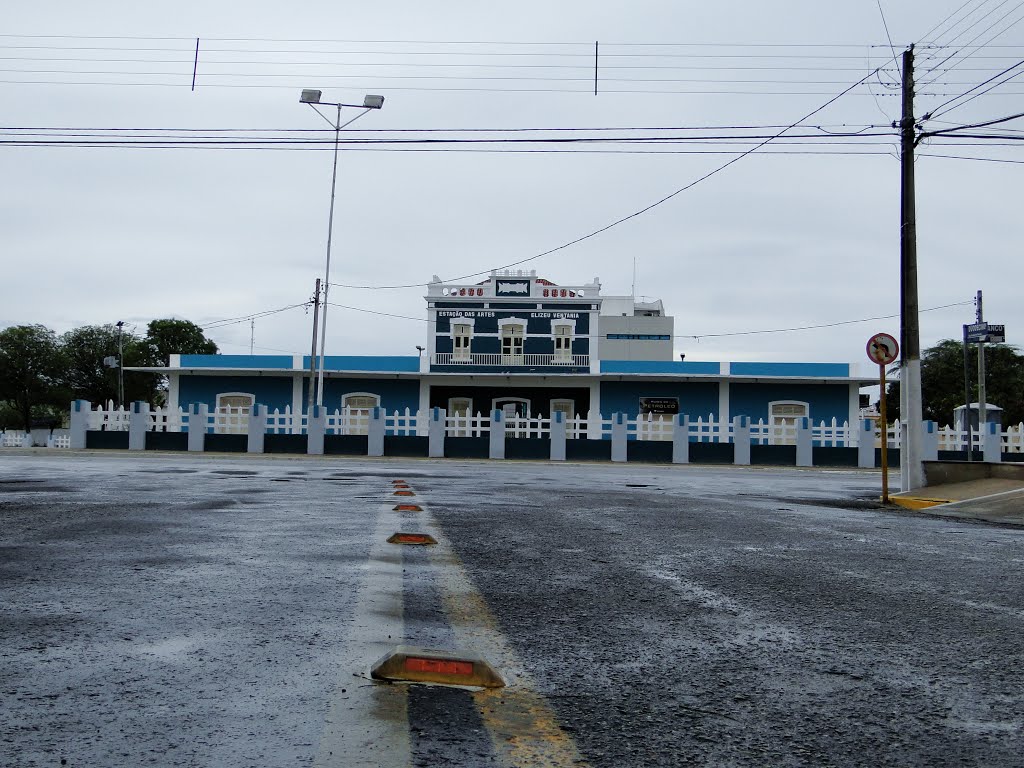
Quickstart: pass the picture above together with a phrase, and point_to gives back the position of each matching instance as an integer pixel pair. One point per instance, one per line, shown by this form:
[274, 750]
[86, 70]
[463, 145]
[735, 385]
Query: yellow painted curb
[424, 665]
[917, 502]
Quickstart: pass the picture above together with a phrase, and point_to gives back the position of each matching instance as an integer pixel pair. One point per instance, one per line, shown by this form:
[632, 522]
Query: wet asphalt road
[192, 611]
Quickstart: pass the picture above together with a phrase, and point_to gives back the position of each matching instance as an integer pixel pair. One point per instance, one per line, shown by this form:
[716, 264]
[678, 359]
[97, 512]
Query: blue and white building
[523, 345]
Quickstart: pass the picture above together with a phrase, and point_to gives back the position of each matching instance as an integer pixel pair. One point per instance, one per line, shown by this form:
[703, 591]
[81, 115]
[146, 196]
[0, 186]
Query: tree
[31, 367]
[942, 381]
[88, 378]
[167, 337]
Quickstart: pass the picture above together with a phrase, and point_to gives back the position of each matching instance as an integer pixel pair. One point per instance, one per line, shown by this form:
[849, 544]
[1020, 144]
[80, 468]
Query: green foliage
[31, 368]
[167, 337]
[942, 381]
[41, 373]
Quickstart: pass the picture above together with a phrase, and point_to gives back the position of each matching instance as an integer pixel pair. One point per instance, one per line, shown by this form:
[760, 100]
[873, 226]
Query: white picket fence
[590, 426]
[12, 438]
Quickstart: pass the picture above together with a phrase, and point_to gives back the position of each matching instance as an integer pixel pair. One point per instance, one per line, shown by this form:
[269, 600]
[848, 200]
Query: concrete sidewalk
[990, 499]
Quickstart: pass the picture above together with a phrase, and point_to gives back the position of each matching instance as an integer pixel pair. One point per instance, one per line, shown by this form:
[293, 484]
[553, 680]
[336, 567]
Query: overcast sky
[794, 234]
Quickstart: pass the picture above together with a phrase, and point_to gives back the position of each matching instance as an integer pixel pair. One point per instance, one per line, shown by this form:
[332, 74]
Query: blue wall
[395, 394]
[697, 399]
[825, 400]
[236, 361]
[807, 370]
[271, 391]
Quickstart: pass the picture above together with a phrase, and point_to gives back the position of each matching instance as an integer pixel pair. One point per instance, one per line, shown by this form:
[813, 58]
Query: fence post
[497, 434]
[257, 428]
[558, 436]
[930, 443]
[138, 426]
[375, 432]
[594, 426]
[619, 437]
[315, 429]
[992, 449]
[804, 451]
[80, 410]
[866, 444]
[741, 440]
[198, 418]
[681, 439]
[436, 429]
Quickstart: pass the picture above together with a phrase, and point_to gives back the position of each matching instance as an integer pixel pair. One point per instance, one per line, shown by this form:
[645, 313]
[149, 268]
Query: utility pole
[312, 355]
[911, 413]
[982, 415]
[120, 365]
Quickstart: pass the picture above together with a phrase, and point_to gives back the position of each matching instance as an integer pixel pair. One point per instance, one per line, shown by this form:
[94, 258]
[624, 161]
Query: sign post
[883, 350]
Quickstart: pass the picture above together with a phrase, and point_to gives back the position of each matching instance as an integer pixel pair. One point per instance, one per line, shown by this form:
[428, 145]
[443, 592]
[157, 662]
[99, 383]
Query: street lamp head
[309, 96]
[373, 102]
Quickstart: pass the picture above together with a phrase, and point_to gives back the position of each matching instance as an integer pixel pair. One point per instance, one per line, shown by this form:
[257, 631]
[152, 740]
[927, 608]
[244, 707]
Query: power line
[816, 327]
[647, 208]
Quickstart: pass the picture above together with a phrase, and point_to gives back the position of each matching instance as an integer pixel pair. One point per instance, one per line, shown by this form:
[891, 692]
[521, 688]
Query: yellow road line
[522, 725]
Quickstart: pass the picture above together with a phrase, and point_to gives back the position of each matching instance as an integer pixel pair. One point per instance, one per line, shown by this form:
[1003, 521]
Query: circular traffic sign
[882, 349]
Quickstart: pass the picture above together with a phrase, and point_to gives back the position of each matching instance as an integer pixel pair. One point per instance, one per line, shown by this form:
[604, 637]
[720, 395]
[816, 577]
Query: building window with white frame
[356, 412]
[783, 415]
[562, 333]
[233, 409]
[512, 336]
[462, 336]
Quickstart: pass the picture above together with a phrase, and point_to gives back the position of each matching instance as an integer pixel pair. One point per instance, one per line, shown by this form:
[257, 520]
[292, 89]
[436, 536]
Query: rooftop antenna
[634, 278]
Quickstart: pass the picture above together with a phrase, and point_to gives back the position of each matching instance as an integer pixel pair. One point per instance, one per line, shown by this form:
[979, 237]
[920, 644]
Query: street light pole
[312, 97]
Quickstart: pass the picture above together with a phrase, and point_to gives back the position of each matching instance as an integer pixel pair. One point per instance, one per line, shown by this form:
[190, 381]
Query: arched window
[782, 416]
[233, 409]
[356, 410]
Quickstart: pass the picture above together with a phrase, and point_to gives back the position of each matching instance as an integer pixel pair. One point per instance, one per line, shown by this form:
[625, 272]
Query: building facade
[523, 345]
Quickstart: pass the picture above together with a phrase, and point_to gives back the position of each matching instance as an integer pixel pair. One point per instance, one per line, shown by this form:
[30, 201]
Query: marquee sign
[512, 288]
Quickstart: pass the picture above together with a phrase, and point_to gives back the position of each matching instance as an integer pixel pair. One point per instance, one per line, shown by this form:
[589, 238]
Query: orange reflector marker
[407, 508]
[411, 538]
[422, 665]
[400, 485]
[403, 493]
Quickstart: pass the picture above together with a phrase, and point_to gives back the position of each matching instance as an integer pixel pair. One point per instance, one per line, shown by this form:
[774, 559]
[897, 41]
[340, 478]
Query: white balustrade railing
[497, 359]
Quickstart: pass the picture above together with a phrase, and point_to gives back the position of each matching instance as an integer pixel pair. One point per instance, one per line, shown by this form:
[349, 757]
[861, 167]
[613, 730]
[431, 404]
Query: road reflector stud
[423, 665]
[411, 538]
[407, 508]
[404, 493]
[400, 485]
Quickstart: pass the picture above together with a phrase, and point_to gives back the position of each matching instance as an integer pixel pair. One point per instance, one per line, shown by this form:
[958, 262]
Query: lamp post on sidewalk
[312, 97]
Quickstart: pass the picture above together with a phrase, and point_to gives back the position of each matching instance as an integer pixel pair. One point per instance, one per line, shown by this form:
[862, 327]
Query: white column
[375, 433]
[804, 452]
[991, 447]
[257, 428]
[315, 432]
[80, 410]
[172, 390]
[558, 436]
[866, 443]
[594, 412]
[723, 401]
[138, 425]
[681, 439]
[436, 433]
[619, 437]
[198, 419]
[422, 429]
[497, 434]
[854, 407]
[298, 406]
[930, 442]
[740, 440]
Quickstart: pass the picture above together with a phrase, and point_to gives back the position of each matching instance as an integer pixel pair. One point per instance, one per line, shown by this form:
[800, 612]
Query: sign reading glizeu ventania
[512, 288]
